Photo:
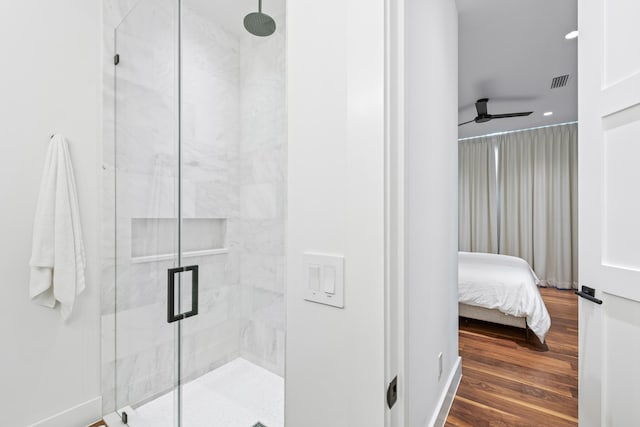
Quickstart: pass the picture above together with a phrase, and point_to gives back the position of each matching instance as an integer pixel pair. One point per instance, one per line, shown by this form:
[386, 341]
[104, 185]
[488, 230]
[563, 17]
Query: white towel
[57, 256]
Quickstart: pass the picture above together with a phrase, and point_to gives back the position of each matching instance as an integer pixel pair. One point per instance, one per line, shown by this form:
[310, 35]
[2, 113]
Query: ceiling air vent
[560, 81]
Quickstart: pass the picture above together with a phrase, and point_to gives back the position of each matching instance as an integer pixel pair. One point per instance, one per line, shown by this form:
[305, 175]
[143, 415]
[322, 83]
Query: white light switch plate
[333, 264]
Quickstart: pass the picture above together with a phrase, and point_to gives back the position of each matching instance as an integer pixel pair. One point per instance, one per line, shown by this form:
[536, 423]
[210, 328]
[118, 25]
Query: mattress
[503, 283]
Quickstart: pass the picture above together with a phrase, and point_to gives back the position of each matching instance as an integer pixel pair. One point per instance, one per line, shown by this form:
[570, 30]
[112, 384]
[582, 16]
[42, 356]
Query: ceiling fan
[483, 116]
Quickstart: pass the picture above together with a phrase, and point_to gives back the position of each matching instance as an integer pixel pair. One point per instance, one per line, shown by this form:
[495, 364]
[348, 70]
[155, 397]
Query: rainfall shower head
[259, 24]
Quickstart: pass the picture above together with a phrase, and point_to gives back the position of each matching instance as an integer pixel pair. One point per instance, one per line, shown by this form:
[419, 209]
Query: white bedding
[504, 283]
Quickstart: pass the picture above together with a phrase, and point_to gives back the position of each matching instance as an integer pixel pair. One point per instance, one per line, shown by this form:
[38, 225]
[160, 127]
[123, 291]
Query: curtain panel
[477, 196]
[537, 200]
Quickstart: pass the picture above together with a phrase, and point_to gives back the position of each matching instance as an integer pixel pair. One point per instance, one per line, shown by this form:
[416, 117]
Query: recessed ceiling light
[548, 113]
[571, 35]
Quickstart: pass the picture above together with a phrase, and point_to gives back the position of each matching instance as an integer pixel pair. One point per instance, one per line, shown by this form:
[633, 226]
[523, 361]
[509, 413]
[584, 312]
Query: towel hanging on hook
[58, 259]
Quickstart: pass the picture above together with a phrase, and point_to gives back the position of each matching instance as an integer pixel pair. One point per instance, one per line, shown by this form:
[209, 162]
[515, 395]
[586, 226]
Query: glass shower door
[199, 192]
[147, 232]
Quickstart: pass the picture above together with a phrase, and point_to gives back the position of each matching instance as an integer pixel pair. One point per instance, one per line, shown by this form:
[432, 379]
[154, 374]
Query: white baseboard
[448, 394]
[80, 415]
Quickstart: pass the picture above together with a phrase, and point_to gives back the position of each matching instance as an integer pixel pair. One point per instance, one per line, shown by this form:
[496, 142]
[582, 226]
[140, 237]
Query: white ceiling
[230, 13]
[509, 51]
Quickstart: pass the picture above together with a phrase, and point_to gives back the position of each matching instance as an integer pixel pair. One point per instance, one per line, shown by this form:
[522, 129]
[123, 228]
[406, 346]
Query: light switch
[329, 279]
[324, 281]
[314, 277]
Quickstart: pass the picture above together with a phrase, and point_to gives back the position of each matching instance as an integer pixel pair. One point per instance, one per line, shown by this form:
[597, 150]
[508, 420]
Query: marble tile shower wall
[263, 197]
[233, 168]
[210, 182]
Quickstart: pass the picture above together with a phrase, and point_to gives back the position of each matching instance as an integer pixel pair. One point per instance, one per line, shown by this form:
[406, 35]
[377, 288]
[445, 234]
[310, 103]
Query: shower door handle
[171, 289]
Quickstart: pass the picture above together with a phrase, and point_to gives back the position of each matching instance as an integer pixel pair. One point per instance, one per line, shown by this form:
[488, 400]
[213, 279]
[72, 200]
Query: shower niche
[196, 176]
[152, 238]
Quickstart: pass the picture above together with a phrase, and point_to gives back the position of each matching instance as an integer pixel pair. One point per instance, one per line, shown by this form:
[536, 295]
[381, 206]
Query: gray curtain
[538, 184]
[477, 218]
[537, 205]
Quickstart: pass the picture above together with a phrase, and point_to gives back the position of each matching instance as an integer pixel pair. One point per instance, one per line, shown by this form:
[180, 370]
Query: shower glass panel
[200, 157]
[147, 206]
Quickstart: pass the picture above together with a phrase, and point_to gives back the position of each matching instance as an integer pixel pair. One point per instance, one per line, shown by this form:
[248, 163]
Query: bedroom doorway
[518, 212]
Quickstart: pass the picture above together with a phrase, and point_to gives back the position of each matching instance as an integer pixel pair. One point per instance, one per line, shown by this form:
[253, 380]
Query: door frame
[394, 207]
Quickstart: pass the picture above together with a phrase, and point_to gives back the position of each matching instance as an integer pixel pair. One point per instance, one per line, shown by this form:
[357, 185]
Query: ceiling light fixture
[572, 35]
[549, 113]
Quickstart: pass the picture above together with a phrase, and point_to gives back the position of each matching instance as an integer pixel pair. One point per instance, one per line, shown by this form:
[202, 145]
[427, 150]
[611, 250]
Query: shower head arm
[260, 6]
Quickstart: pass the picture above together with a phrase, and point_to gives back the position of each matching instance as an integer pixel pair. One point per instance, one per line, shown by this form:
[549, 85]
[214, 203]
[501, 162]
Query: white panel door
[609, 181]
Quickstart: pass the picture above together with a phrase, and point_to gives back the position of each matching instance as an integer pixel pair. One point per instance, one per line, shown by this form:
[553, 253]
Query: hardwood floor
[509, 381]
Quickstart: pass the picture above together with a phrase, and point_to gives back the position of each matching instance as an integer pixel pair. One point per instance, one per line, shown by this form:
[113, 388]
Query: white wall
[431, 209]
[49, 83]
[335, 357]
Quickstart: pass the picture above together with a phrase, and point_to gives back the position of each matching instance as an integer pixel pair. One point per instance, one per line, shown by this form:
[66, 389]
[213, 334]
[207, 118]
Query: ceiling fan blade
[504, 116]
[467, 122]
[481, 106]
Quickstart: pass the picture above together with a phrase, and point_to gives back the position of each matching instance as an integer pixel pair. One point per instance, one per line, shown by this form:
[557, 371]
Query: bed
[501, 289]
